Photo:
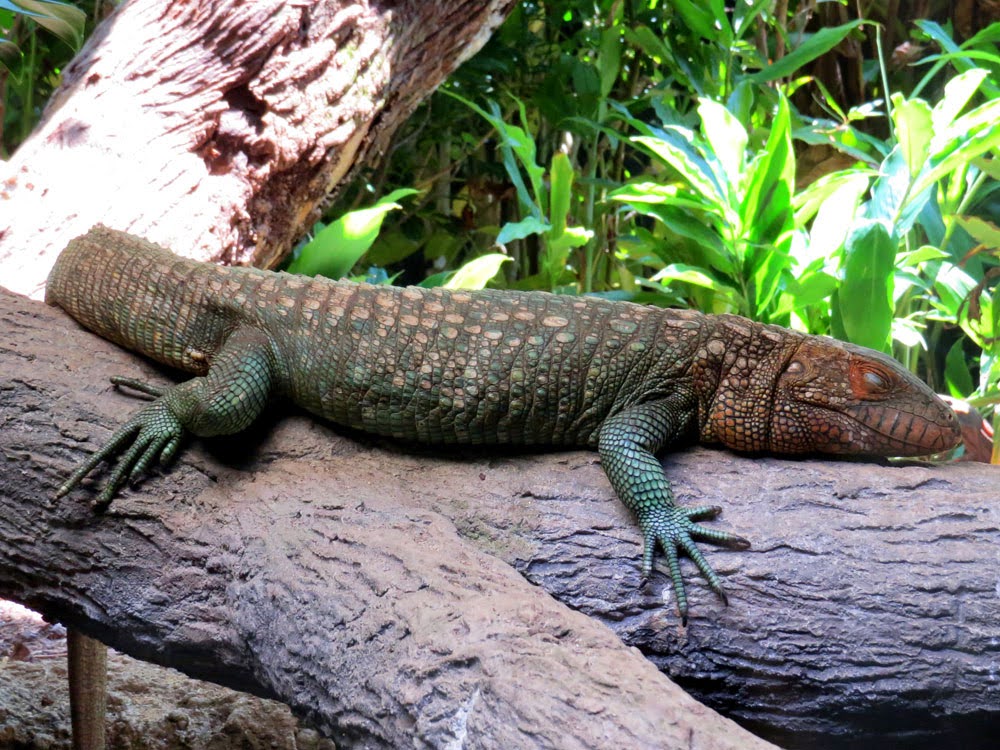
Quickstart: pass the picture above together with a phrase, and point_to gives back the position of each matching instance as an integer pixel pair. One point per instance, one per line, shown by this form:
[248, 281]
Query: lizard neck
[737, 370]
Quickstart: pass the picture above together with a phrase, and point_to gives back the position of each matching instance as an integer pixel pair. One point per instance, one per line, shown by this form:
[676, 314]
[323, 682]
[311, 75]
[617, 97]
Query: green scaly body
[480, 368]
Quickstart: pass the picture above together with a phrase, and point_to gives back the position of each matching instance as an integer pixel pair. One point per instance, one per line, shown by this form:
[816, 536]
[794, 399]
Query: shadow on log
[359, 582]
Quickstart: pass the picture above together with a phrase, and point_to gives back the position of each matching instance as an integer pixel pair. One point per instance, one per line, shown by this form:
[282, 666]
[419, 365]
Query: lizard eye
[870, 380]
[876, 381]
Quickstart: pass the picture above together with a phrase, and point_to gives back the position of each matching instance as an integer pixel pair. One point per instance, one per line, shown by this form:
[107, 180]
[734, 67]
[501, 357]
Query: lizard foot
[674, 528]
[153, 432]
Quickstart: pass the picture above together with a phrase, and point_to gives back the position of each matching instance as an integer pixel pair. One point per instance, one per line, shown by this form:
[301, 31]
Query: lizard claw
[154, 432]
[674, 529]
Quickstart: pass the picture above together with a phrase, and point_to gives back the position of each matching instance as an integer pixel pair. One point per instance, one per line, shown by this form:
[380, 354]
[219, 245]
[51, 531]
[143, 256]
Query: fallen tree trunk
[348, 578]
[218, 127]
[346, 596]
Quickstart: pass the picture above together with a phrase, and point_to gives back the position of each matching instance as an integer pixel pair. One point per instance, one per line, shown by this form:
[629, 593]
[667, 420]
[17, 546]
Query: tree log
[348, 593]
[350, 578]
[218, 127]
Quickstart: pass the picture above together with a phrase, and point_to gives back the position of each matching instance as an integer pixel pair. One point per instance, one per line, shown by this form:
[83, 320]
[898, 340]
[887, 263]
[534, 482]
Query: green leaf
[766, 212]
[518, 230]
[969, 136]
[801, 293]
[709, 22]
[339, 245]
[834, 199]
[726, 137]
[647, 42]
[477, 273]
[865, 294]
[912, 124]
[689, 275]
[956, 372]
[676, 150]
[609, 59]
[818, 44]
[63, 20]
[514, 142]
[957, 93]
[654, 193]
[561, 191]
[982, 231]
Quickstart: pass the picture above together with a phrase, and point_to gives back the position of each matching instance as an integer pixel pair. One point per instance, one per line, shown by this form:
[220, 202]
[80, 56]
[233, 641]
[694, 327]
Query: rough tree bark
[218, 127]
[372, 617]
[350, 578]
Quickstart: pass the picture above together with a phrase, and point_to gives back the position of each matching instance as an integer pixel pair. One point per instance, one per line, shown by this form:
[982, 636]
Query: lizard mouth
[892, 432]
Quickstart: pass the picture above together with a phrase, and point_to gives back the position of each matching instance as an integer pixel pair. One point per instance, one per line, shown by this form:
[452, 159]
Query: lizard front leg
[628, 444]
[227, 399]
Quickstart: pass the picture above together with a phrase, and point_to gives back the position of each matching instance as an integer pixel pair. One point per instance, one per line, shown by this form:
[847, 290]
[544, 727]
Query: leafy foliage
[729, 156]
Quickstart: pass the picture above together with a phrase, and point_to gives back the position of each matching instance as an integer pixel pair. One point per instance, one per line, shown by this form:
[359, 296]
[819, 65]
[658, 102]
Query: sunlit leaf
[818, 44]
[865, 294]
[727, 138]
[476, 274]
[912, 125]
[957, 93]
[518, 230]
[338, 246]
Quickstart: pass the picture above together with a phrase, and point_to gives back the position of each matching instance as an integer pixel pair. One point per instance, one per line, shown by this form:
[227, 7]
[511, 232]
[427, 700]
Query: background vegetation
[793, 162]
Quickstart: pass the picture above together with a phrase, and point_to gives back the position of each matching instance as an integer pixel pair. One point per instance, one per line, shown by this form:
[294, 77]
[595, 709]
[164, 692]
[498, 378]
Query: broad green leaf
[890, 187]
[957, 93]
[655, 193]
[912, 125]
[561, 191]
[679, 154]
[969, 136]
[713, 251]
[835, 200]
[518, 230]
[514, 141]
[865, 293]
[647, 42]
[808, 201]
[745, 11]
[688, 274]
[908, 333]
[477, 273]
[726, 137]
[609, 60]
[338, 246]
[559, 238]
[984, 232]
[703, 21]
[989, 166]
[960, 57]
[922, 254]
[766, 211]
[956, 372]
[771, 267]
[811, 290]
[818, 44]
[63, 20]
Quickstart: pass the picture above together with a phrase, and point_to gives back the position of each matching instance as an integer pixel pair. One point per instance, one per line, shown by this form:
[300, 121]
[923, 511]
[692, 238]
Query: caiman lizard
[489, 367]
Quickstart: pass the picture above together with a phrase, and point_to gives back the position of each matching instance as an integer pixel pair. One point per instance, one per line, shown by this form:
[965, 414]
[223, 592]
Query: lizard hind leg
[233, 392]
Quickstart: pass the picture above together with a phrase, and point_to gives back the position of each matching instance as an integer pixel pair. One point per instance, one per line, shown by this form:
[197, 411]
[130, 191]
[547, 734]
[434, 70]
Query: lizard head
[833, 397]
